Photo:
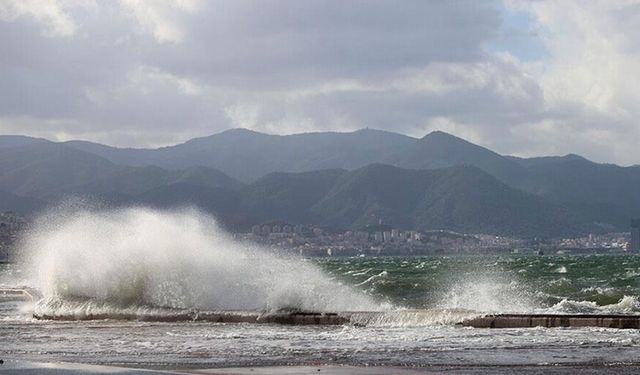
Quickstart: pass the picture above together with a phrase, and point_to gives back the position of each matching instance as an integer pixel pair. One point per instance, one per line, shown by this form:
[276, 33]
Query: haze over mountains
[342, 180]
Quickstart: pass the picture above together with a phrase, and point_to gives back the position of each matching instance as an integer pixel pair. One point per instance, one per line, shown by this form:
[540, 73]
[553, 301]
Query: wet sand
[62, 368]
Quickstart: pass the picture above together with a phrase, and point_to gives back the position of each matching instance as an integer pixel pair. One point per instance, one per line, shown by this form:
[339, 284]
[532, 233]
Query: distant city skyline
[521, 78]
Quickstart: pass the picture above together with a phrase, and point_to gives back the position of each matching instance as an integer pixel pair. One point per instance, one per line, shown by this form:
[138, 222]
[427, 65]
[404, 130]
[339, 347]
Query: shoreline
[65, 368]
[301, 318]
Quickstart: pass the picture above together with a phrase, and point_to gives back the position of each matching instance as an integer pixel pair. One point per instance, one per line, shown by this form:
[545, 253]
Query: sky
[525, 78]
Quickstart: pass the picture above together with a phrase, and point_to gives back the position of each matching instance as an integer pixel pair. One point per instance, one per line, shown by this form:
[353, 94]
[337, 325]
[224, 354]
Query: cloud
[591, 100]
[53, 15]
[134, 73]
[161, 17]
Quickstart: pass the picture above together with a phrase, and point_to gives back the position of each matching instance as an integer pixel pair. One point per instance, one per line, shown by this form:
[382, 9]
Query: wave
[561, 269]
[96, 310]
[89, 309]
[412, 318]
[373, 278]
[488, 294]
[140, 263]
[177, 259]
[562, 283]
[626, 305]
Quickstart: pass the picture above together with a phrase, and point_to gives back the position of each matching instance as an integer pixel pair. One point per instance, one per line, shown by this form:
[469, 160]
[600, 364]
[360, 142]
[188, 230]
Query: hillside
[464, 199]
[273, 167]
[48, 171]
[288, 196]
[16, 203]
[603, 193]
[441, 150]
[248, 155]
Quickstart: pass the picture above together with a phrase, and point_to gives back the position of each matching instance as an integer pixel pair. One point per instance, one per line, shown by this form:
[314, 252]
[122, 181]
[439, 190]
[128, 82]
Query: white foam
[488, 294]
[626, 305]
[178, 259]
[373, 278]
[412, 318]
[561, 269]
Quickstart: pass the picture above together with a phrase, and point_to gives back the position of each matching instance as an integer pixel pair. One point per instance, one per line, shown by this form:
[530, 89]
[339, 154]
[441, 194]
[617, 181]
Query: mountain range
[340, 180]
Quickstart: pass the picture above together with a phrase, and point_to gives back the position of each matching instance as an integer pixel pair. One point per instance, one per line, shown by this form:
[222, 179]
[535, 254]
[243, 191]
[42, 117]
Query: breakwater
[359, 318]
[332, 318]
[553, 321]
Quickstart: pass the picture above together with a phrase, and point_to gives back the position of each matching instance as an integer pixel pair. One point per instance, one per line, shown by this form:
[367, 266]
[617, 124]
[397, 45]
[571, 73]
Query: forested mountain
[337, 179]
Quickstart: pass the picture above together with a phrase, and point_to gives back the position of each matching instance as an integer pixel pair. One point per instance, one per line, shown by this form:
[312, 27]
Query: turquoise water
[560, 284]
[580, 284]
[148, 265]
[501, 284]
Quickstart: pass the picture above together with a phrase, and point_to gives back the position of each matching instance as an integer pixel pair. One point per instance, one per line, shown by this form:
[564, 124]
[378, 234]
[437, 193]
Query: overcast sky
[523, 78]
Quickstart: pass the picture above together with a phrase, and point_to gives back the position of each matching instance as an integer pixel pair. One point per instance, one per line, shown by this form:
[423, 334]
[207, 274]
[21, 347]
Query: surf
[85, 260]
[137, 263]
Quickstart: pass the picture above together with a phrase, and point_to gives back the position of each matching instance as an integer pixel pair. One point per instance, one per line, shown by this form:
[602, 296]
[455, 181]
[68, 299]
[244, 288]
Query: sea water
[86, 261]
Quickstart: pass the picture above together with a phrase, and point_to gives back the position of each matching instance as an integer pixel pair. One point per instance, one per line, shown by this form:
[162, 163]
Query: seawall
[333, 318]
[552, 321]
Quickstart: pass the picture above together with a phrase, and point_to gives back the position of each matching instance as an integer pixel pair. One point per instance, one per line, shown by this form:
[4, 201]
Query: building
[378, 237]
[395, 234]
[635, 235]
[386, 236]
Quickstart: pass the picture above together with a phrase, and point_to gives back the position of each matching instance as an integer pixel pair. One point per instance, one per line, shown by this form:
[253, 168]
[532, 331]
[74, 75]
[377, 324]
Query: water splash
[561, 269]
[412, 318]
[172, 259]
[488, 294]
[626, 305]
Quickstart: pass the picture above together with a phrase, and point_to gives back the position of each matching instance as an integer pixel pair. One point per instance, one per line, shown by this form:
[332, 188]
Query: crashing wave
[626, 305]
[170, 259]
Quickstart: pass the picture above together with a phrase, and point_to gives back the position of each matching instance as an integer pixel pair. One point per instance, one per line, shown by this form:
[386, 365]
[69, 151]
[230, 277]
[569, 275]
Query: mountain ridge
[235, 160]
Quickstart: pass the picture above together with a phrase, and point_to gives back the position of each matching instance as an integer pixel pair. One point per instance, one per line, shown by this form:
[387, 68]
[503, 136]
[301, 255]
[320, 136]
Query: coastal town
[379, 240]
[383, 240]
[11, 225]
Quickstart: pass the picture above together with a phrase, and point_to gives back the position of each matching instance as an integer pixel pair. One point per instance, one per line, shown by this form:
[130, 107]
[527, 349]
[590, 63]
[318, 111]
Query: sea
[141, 262]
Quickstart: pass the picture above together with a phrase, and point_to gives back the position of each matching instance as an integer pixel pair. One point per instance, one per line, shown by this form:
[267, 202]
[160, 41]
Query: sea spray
[140, 257]
[412, 318]
[625, 305]
[488, 294]
[485, 286]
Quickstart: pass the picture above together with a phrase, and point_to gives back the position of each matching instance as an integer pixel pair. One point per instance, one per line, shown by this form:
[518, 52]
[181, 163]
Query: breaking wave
[488, 294]
[88, 261]
[146, 264]
[626, 305]
[412, 318]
